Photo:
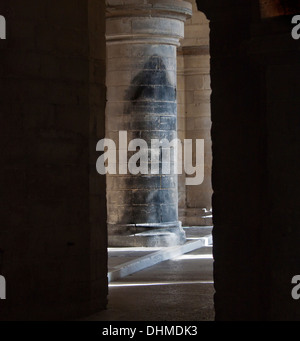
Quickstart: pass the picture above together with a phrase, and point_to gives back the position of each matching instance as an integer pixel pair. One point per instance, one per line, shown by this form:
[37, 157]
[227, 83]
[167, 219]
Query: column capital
[148, 21]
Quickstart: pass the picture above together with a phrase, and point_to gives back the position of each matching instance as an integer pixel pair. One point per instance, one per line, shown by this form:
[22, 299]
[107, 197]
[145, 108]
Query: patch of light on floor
[145, 284]
[191, 257]
[198, 238]
[197, 227]
[129, 249]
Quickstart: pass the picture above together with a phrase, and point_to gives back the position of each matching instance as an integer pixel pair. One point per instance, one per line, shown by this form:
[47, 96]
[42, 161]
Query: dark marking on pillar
[152, 106]
[151, 89]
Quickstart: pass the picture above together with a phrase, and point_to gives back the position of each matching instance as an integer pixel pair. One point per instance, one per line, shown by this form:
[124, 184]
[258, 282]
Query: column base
[146, 235]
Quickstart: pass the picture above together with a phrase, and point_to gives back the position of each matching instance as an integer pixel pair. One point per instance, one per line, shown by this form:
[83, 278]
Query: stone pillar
[142, 38]
[194, 93]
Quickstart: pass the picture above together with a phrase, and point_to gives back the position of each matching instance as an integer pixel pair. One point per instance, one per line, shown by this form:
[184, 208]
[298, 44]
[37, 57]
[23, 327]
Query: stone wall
[255, 138]
[53, 226]
[194, 121]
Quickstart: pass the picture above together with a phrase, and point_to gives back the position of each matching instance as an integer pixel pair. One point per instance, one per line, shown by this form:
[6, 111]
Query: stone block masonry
[193, 71]
[142, 99]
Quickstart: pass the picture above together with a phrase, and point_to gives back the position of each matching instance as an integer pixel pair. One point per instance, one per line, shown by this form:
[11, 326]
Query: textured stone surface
[194, 109]
[52, 234]
[53, 216]
[180, 289]
[143, 101]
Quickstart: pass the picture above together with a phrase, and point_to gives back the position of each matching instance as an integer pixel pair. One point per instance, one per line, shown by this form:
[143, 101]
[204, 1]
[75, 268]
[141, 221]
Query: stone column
[142, 38]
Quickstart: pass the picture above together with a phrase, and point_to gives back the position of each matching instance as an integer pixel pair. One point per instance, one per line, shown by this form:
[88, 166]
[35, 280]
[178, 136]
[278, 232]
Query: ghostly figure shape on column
[141, 92]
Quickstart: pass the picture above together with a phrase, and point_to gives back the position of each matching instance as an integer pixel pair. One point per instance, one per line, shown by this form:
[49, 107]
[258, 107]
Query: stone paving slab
[126, 261]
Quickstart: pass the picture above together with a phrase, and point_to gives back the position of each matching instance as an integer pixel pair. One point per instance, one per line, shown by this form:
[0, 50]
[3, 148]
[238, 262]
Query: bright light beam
[145, 284]
[192, 257]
